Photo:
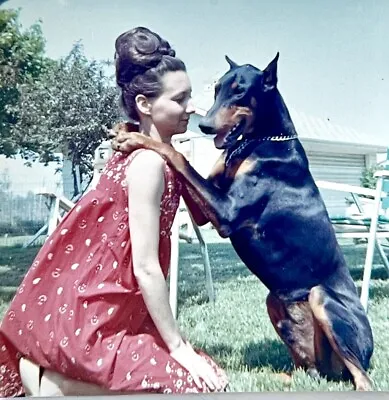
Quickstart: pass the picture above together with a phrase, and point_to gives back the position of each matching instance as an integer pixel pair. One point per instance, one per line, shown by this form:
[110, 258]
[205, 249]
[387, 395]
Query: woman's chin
[181, 129]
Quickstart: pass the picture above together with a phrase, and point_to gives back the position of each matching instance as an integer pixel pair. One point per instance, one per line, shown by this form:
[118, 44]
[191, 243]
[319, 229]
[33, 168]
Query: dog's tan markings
[234, 85]
[241, 112]
[294, 325]
[226, 118]
[125, 127]
[253, 226]
[247, 114]
[330, 362]
[320, 351]
[223, 120]
[245, 167]
[218, 170]
[327, 360]
[316, 300]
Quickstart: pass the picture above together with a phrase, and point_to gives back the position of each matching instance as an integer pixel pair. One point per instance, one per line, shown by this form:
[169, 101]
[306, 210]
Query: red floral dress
[79, 310]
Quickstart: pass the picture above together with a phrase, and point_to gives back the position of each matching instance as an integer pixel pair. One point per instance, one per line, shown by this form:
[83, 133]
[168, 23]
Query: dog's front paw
[123, 139]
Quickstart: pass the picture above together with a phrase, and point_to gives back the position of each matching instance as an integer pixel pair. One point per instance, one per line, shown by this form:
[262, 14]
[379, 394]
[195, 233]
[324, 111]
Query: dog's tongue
[219, 140]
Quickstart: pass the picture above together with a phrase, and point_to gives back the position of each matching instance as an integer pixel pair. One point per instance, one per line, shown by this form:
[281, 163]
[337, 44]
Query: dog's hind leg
[328, 362]
[294, 324]
[348, 333]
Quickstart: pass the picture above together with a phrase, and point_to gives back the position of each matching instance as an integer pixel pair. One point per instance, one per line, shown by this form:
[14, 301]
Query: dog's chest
[240, 169]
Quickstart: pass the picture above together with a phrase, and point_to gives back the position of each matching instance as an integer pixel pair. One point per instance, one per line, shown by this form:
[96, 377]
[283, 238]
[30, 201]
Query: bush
[367, 178]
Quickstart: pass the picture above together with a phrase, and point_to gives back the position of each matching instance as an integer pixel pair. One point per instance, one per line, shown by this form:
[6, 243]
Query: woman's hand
[196, 365]
[125, 137]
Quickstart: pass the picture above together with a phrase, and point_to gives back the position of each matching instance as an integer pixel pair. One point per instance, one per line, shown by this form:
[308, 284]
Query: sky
[334, 56]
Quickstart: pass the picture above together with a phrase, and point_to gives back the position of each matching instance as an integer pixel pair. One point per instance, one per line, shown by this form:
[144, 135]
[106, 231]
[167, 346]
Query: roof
[310, 128]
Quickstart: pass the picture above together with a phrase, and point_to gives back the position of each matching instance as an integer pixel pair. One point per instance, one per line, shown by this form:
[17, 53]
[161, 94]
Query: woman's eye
[179, 99]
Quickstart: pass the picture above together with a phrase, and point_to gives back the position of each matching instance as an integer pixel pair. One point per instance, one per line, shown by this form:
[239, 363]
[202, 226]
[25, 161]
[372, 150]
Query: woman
[92, 314]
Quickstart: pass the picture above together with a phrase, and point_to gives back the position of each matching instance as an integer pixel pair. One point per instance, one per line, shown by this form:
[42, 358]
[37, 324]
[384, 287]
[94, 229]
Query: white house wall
[340, 168]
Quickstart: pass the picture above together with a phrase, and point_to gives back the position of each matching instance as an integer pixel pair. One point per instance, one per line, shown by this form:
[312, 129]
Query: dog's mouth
[226, 139]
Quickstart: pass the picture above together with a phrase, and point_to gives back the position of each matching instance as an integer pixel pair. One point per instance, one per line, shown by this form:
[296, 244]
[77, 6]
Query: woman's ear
[143, 104]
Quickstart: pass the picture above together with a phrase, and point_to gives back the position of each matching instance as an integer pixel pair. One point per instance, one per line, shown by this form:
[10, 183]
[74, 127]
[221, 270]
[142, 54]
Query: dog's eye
[239, 90]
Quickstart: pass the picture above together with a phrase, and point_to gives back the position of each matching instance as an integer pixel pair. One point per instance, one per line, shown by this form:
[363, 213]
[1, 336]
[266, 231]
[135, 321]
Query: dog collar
[245, 143]
[280, 138]
[239, 150]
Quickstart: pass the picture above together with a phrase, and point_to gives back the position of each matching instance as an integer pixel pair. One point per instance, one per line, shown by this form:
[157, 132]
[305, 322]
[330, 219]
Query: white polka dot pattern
[79, 309]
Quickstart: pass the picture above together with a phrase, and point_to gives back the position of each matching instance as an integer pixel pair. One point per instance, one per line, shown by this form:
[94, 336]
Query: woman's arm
[145, 177]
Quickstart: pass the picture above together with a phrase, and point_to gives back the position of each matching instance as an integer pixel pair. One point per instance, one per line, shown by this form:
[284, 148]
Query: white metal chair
[372, 225]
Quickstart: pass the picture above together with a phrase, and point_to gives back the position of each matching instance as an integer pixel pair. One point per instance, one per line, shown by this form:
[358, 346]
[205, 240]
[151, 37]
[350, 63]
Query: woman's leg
[52, 383]
[55, 384]
[30, 377]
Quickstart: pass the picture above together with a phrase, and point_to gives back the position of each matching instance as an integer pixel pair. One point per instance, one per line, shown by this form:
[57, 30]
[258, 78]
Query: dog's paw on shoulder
[122, 127]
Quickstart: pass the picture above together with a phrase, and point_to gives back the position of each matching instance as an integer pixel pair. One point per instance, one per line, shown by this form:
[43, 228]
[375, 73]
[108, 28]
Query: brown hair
[142, 57]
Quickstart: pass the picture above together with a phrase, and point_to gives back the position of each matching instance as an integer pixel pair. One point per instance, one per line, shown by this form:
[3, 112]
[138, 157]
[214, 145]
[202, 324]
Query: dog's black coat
[273, 212]
[262, 196]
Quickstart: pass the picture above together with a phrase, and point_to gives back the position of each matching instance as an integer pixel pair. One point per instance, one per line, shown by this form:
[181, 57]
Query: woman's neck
[153, 133]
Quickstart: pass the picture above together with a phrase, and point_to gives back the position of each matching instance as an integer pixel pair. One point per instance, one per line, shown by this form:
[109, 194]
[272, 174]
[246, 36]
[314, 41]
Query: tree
[5, 185]
[22, 60]
[68, 110]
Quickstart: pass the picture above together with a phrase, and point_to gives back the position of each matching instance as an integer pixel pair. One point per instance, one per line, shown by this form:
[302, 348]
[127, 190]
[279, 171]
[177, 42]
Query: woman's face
[171, 110]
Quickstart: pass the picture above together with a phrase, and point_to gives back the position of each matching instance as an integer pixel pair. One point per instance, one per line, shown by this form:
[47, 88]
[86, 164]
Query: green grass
[236, 330]
[14, 262]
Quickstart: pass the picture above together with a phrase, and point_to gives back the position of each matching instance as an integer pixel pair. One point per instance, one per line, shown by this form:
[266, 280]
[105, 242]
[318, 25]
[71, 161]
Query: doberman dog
[262, 196]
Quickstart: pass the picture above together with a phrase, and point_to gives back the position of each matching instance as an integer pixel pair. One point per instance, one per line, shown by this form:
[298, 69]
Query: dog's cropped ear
[231, 63]
[270, 74]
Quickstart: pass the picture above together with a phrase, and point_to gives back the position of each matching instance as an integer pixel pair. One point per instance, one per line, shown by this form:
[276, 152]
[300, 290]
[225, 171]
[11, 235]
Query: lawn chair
[58, 206]
[372, 224]
[378, 222]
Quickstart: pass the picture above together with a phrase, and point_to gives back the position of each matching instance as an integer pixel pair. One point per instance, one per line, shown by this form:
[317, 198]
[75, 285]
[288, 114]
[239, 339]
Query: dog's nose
[206, 127]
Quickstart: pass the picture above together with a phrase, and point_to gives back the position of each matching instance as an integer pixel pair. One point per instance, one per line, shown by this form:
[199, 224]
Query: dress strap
[132, 155]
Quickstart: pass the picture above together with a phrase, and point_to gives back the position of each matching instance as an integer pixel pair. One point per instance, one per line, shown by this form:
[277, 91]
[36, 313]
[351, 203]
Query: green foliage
[48, 106]
[367, 178]
[22, 60]
[67, 110]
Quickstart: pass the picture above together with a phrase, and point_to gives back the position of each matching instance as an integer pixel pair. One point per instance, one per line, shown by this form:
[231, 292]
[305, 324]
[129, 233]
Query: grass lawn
[236, 330]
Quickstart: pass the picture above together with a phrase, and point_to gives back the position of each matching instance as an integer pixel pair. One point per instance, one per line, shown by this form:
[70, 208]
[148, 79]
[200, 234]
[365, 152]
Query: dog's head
[240, 95]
